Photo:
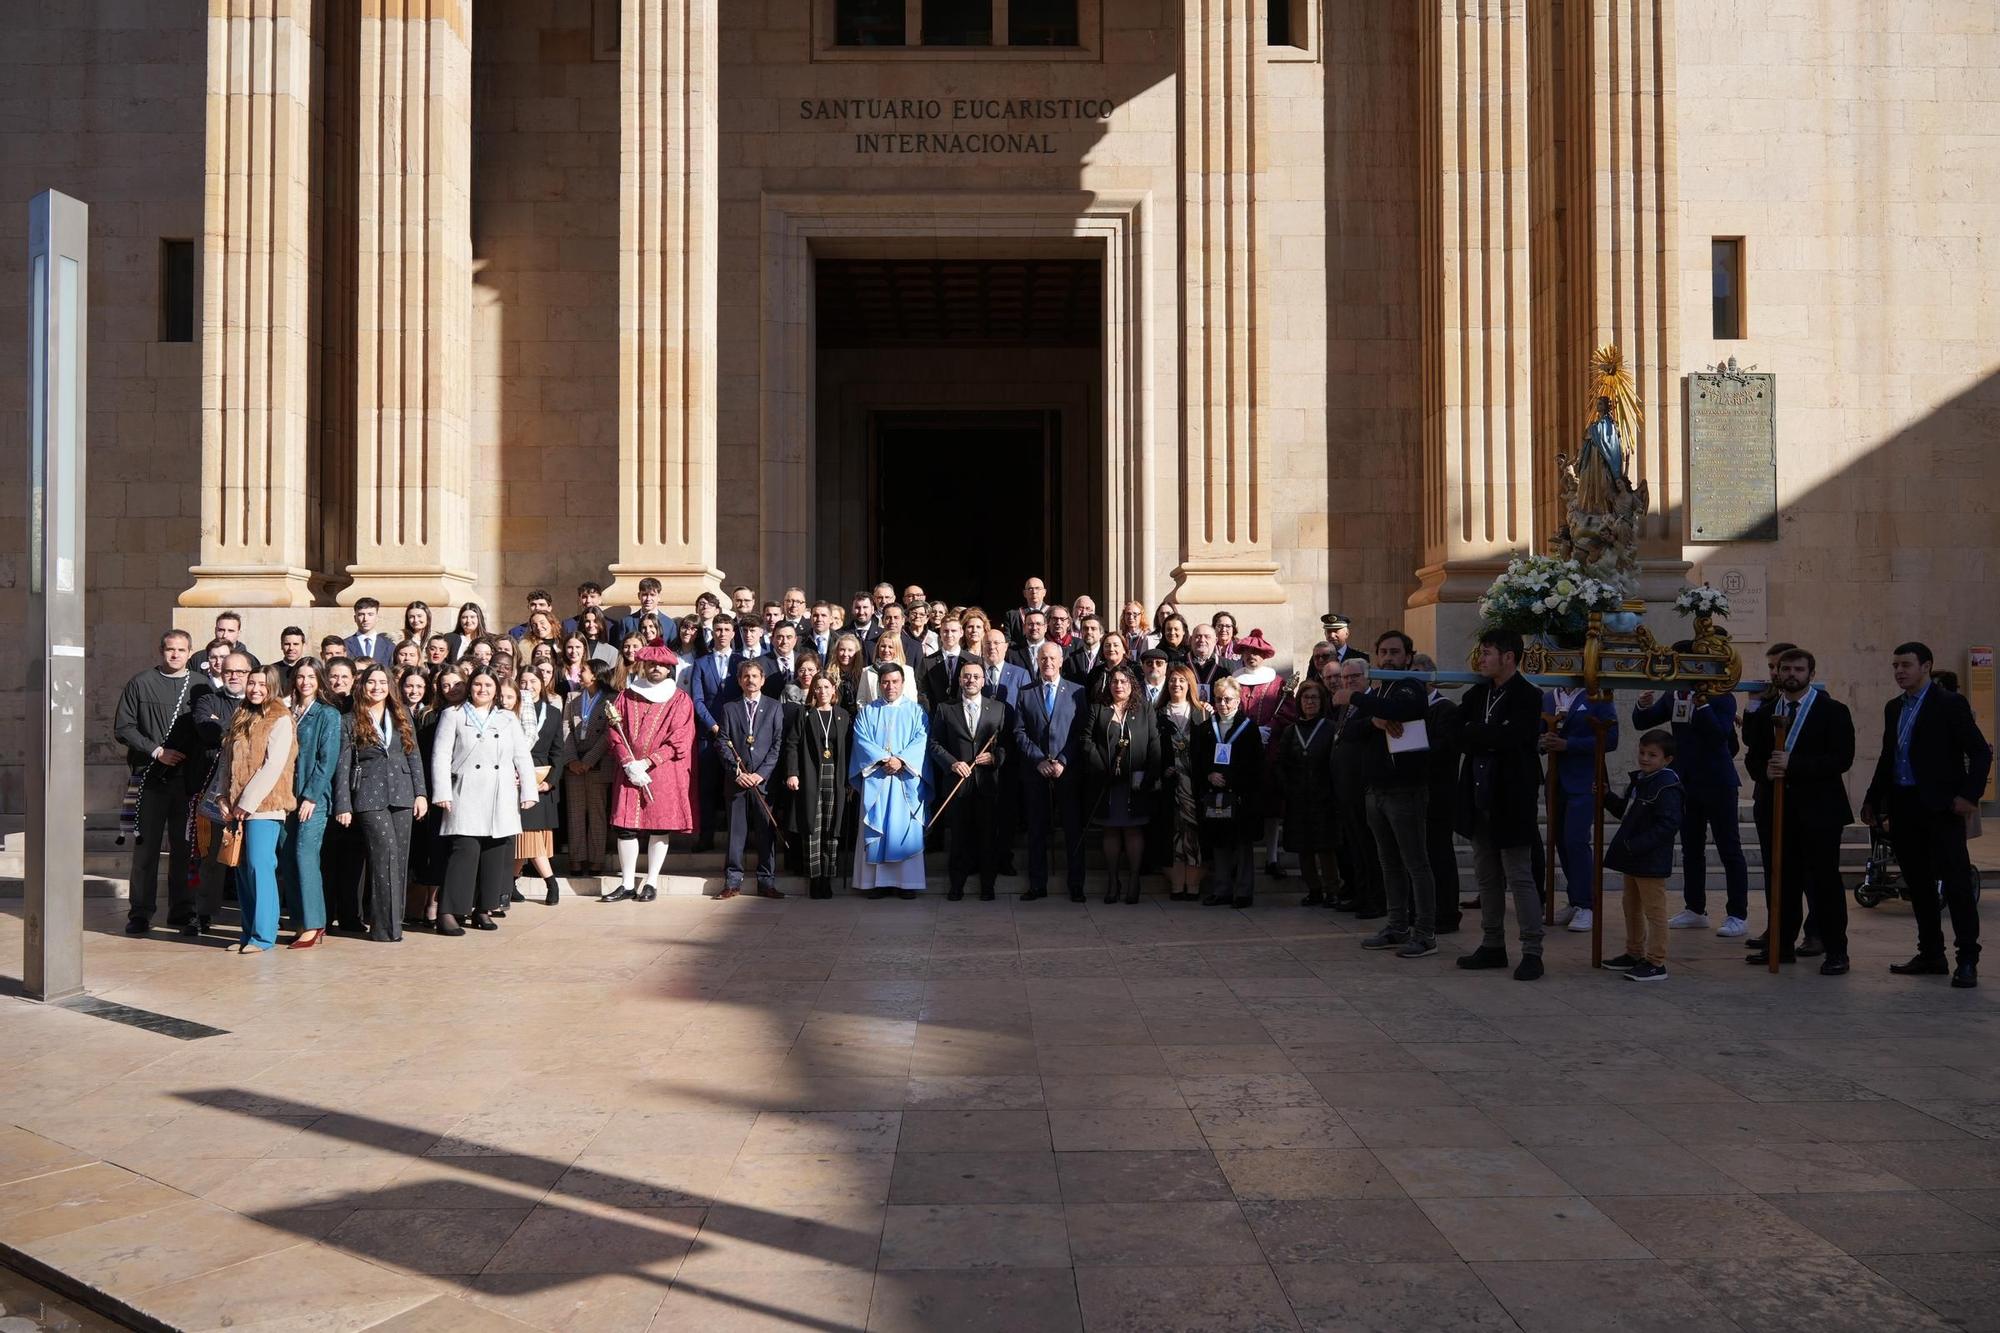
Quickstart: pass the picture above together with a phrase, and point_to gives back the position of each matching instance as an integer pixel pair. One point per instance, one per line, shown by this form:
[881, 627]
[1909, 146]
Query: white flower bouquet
[1704, 602]
[1541, 594]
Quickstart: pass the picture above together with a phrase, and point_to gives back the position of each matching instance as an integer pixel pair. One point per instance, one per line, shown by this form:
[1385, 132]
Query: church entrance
[959, 416]
[962, 499]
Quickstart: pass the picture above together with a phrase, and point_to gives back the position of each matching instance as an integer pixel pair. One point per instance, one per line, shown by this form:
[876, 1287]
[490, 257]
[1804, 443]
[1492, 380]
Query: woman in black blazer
[1229, 789]
[471, 629]
[542, 722]
[378, 783]
[1121, 764]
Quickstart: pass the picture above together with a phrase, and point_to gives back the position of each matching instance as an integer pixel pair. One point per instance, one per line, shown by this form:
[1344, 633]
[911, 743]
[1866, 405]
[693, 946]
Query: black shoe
[1274, 870]
[956, 895]
[498, 914]
[906, 894]
[1811, 947]
[1450, 927]
[986, 895]
[1762, 957]
[1216, 900]
[554, 894]
[1530, 968]
[1624, 962]
[1240, 902]
[820, 888]
[194, 926]
[1754, 943]
[1483, 957]
[1033, 894]
[175, 920]
[1833, 967]
[1112, 894]
[1313, 900]
[877, 893]
[514, 895]
[1132, 894]
[619, 895]
[649, 892]
[448, 925]
[484, 922]
[1922, 965]
[137, 925]
[1078, 896]
[1966, 977]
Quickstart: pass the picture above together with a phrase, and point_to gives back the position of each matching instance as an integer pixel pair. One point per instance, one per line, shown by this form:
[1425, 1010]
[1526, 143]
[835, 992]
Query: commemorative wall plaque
[1732, 421]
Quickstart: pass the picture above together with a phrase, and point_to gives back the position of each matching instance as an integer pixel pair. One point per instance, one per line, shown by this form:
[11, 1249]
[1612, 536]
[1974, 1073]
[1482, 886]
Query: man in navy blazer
[367, 644]
[1928, 779]
[1806, 737]
[1005, 681]
[711, 685]
[1575, 749]
[1704, 733]
[748, 748]
[1048, 735]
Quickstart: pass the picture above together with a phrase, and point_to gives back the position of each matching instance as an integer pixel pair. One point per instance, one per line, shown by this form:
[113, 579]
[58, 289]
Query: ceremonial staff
[939, 813]
[1552, 721]
[756, 789]
[618, 724]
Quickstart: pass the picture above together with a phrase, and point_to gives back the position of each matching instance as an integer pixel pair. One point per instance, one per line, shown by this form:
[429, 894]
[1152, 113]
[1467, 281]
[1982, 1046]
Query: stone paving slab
[931, 1115]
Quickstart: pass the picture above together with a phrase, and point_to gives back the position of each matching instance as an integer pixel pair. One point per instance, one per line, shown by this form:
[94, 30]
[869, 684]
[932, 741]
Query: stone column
[256, 339]
[413, 308]
[1225, 530]
[1621, 244]
[1476, 472]
[667, 90]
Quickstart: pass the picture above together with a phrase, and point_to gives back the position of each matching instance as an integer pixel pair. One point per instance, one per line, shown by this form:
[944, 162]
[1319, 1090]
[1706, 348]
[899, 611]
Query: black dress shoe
[1274, 870]
[484, 922]
[193, 926]
[956, 895]
[1762, 958]
[1811, 947]
[1832, 967]
[175, 920]
[446, 925]
[1033, 894]
[1756, 942]
[514, 895]
[1921, 966]
[986, 895]
[1484, 956]
[137, 925]
[1313, 900]
[648, 892]
[906, 894]
[1078, 896]
[1966, 977]
[619, 895]
[1529, 968]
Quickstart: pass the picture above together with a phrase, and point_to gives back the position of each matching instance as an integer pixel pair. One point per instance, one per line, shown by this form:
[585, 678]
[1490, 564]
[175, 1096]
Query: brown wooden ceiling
[959, 302]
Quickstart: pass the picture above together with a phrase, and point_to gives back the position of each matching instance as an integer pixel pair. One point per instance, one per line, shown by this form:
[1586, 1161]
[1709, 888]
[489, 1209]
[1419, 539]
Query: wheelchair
[1882, 879]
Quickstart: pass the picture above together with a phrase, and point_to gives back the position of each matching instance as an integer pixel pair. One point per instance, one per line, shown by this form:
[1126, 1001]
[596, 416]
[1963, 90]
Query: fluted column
[667, 90]
[413, 307]
[1225, 530]
[256, 339]
[1476, 471]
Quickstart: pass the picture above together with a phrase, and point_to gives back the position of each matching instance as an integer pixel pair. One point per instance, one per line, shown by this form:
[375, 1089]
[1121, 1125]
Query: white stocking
[628, 862]
[656, 857]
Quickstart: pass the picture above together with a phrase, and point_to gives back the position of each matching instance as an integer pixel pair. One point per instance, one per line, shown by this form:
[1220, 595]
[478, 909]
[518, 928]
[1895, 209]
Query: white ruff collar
[651, 693]
[1257, 675]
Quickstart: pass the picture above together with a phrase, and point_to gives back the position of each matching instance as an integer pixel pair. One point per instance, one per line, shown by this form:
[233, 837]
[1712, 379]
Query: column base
[249, 585]
[1443, 614]
[679, 584]
[1225, 585]
[395, 585]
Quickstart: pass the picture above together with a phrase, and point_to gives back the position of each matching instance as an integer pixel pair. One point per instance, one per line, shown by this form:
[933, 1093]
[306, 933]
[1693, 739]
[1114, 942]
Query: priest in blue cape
[886, 767]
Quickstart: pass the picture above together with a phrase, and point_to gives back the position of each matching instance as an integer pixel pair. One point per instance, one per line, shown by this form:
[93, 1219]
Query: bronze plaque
[1732, 457]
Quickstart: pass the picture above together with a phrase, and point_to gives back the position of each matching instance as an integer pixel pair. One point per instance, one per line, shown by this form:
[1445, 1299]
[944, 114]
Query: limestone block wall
[104, 101]
[1853, 146]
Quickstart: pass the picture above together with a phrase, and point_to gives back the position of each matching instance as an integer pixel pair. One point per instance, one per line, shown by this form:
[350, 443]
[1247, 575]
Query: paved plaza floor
[801, 1115]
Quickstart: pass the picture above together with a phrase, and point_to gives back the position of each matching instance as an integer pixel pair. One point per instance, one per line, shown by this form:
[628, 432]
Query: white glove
[637, 774]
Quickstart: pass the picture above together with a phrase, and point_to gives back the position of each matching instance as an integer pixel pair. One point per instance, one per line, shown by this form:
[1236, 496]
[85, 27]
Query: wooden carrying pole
[1598, 726]
[1553, 721]
[1775, 917]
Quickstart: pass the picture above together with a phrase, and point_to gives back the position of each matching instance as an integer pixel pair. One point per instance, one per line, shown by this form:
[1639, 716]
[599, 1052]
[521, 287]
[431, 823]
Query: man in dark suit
[1499, 788]
[1704, 734]
[818, 632]
[1805, 738]
[893, 621]
[1441, 729]
[939, 681]
[712, 685]
[1034, 597]
[1034, 633]
[863, 624]
[968, 747]
[793, 609]
[366, 644]
[784, 659]
[1205, 660]
[749, 744]
[1082, 658]
[1928, 781]
[1005, 681]
[1337, 630]
[1048, 732]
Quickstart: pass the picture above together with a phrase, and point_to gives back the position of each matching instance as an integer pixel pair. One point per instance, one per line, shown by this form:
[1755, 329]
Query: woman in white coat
[482, 777]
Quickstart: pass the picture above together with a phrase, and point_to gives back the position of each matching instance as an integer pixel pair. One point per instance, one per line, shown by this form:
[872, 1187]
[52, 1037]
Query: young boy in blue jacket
[1649, 814]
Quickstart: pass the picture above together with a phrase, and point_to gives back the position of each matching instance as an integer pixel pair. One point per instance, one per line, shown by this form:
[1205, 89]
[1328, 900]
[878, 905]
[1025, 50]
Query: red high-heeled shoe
[306, 939]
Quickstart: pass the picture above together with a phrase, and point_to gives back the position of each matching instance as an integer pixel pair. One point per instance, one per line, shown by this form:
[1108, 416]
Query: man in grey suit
[968, 746]
[1048, 733]
[365, 644]
[748, 745]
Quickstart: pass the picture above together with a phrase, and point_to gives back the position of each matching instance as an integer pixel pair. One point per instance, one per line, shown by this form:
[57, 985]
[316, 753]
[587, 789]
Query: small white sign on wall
[1748, 599]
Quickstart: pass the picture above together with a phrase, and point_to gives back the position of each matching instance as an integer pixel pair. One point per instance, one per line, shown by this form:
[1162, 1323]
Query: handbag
[229, 852]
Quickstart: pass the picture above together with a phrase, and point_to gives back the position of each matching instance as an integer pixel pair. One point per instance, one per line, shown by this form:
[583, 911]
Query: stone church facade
[1283, 311]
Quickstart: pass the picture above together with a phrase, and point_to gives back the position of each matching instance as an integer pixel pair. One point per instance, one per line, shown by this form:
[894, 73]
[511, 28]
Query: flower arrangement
[1540, 594]
[1704, 602]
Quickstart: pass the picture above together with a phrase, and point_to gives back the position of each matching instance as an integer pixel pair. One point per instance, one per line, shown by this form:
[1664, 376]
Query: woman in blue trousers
[256, 797]
[316, 727]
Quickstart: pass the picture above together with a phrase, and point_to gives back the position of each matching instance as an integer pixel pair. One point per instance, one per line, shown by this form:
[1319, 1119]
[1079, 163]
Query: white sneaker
[1580, 920]
[1688, 921]
[1566, 914]
[1733, 927]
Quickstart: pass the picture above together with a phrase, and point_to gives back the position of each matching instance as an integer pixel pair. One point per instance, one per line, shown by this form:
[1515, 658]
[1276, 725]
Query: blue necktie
[1049, 700]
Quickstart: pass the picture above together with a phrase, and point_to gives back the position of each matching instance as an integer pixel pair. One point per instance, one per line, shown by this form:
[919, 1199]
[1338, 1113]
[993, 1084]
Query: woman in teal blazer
[317, 726]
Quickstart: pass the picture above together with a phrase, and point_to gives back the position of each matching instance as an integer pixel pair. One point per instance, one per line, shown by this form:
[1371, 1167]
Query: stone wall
[1853, 146]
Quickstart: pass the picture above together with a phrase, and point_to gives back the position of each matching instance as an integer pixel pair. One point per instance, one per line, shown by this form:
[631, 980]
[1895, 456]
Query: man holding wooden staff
[1804, 741]
[967, 750]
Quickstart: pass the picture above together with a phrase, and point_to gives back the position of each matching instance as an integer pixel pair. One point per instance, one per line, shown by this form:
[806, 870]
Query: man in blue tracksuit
[1704, 732]
[1576, 781]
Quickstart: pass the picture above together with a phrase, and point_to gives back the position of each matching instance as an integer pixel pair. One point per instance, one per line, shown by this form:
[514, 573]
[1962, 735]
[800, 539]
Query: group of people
[407, 779]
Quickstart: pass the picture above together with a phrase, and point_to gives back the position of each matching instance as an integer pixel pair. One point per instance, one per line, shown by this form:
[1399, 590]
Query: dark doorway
[962, 501]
